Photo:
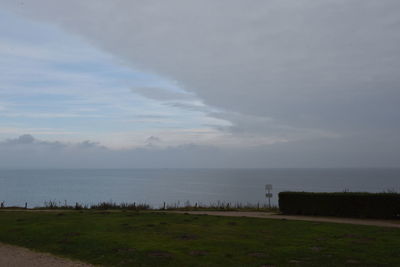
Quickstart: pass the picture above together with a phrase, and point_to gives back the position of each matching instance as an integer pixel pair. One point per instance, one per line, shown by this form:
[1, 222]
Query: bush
[345, 204]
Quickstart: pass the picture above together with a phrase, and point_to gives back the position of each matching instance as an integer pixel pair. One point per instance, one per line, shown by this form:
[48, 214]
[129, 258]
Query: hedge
[344, 204]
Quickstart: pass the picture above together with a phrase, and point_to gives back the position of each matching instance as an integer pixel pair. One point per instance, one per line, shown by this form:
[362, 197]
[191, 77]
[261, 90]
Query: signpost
[268, 189]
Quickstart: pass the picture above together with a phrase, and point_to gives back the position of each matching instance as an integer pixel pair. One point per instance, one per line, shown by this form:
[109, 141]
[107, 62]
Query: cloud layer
[306, 73]
[303, 62]
[28, 152]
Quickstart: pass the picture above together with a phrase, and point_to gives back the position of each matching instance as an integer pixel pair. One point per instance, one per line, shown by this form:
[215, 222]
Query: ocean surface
[154, 186]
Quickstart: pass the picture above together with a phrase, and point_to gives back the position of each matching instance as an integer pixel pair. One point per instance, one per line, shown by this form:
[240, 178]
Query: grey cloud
[153, 141]
[328, 64]
[89, 144]
[351, 152]
[289, 66]
[23, 139]
[150, 116]
[161, 94]
[30, 142]
[191, 106]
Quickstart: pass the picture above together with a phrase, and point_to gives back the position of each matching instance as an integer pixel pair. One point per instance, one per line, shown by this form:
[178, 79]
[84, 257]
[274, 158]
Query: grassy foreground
[157, 239]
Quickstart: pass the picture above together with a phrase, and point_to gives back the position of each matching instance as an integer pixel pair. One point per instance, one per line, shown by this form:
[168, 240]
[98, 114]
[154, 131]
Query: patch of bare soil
[12, 256]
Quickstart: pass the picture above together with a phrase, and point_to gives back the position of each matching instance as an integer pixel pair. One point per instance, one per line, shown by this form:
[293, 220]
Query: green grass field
[157, 239]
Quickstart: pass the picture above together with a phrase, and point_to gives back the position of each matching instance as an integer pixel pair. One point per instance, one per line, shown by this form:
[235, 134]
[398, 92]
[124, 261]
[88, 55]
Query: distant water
[180, 185]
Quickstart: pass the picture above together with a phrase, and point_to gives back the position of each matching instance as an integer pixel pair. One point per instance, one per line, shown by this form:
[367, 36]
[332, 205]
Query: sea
[179, 186]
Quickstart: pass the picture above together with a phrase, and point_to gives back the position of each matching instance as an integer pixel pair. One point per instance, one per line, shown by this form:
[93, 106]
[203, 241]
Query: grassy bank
[152, 239]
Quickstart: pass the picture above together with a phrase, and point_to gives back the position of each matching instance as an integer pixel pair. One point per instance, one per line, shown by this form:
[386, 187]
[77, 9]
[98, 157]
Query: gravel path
[270, 215]
[12, 256]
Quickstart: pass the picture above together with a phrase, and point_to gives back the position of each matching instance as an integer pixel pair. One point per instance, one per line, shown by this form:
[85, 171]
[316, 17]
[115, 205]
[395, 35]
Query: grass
[144, 238]
[185, 206]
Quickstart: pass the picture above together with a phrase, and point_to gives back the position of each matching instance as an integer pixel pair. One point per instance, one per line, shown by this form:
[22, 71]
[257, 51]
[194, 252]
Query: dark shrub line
[343, 204]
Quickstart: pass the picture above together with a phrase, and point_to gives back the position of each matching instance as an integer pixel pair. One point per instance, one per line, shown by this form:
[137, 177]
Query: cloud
[153, 141]
[27, 152]
[23, 139]
[162, 94]
[29, 142]
[52, 83]
[195, 106]
[302, 63]
[277, 70]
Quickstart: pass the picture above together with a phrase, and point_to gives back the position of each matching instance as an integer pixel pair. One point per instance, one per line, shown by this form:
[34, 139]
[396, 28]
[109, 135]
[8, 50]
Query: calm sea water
[180, 185]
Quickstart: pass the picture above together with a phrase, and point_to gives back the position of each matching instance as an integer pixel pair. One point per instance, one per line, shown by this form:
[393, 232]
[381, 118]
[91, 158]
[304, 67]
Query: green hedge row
[345, 204]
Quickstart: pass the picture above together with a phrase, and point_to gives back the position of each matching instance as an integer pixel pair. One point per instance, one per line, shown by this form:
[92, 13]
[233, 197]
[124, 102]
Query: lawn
[131, 238]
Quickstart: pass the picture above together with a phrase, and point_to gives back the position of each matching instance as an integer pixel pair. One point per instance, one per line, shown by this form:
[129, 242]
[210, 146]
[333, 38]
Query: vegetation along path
[271, 215]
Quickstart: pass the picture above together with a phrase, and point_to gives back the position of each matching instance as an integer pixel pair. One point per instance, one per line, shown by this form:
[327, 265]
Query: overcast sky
[181, 83]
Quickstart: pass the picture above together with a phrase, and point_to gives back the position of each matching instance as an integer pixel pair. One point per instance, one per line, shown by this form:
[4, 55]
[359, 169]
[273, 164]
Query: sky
[199, 84]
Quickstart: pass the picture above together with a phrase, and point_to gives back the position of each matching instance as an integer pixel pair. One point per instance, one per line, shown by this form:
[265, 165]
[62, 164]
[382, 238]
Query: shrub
[344, 204]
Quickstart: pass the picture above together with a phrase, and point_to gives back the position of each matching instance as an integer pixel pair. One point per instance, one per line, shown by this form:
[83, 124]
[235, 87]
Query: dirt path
[270, 215]
[12, 256]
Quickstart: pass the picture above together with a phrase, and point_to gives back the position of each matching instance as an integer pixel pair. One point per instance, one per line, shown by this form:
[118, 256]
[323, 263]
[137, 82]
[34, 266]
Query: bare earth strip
[270, 215]
[12, 256]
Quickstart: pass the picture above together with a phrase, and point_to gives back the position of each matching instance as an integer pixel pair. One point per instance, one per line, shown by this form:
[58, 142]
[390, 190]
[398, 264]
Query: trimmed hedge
[345, 204]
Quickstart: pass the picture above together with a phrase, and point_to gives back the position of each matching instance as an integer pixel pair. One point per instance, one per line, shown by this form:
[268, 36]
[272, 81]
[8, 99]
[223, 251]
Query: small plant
[122, 206]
